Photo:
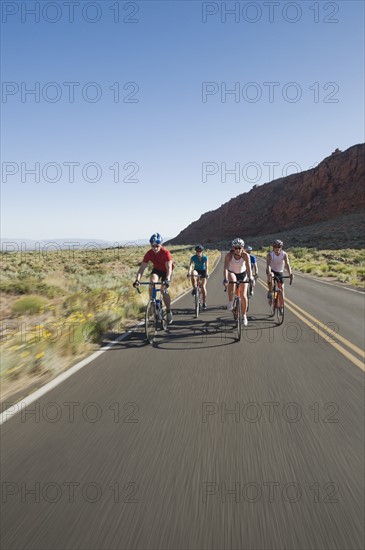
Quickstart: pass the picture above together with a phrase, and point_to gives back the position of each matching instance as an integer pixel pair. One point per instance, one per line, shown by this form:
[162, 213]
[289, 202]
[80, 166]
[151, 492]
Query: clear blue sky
[168, 123]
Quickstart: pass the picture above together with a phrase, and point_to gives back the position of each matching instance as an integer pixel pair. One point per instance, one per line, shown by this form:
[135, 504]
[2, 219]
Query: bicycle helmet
[277, 242]
[249, 248]
[199, 247]
[156, 239]
[237, 242]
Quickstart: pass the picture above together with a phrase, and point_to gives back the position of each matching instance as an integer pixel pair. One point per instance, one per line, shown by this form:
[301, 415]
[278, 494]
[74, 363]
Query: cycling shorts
[240, 276]
[161, 274]
[279, 275]
[202, 273]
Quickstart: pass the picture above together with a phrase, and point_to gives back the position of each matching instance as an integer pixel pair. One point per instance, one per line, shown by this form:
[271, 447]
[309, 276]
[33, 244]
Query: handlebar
[283, 277]
[148, 283]
[236, 283]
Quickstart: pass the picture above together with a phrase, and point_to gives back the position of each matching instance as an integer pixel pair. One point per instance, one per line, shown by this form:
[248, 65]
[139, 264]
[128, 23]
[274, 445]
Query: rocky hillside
[333, 191]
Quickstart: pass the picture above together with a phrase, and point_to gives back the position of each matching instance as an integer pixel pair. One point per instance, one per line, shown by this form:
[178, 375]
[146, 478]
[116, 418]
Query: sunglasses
[276, 246]
[156, 246]
[237, 247]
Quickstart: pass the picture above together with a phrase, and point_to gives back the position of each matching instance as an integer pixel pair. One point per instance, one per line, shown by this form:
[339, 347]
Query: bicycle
[237, 307]
[276, 304]
[155, 317]
[198, 296]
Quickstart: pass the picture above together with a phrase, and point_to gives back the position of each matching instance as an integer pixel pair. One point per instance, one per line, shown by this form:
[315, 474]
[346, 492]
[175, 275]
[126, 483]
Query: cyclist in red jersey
[162, 269]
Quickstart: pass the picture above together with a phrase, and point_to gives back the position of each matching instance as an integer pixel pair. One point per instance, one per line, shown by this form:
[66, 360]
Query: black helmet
[199, 247]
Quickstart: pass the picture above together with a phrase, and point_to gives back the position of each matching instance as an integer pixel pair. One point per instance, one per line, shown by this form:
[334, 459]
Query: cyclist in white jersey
[276, 261]
[237, 267]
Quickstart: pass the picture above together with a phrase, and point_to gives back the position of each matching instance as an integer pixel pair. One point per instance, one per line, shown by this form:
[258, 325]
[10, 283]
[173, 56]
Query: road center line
[346, 342]
[299, 312]
[339, 348]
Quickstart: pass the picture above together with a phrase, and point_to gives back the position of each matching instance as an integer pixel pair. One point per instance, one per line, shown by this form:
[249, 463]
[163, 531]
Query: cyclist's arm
[168, 269]
[287, 265]
[256, 271]
[268, 264]
[207, 267]
[190, 270]
[226, 264]
[248, 265]
[140, 272]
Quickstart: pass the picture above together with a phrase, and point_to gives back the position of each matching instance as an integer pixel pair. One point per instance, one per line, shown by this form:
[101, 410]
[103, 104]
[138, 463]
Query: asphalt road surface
[201, 442]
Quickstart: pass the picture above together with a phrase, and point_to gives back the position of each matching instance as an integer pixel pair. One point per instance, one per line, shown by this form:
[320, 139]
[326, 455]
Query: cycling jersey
[158, 259]
[277, 262]
[236, 266]
[252, 260]
[199, 263]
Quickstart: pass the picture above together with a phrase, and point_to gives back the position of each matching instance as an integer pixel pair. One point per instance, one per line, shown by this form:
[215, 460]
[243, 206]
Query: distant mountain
[15, 245]
[333, 192]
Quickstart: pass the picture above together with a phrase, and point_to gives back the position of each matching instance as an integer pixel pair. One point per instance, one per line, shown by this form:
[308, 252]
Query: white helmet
[237, 242]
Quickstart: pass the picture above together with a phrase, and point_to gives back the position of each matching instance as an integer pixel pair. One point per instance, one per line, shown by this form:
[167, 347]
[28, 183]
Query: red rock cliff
[334, 188]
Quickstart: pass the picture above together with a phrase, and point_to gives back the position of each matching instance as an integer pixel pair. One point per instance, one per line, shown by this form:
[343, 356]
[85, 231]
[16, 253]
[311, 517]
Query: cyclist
[237, 267]
[276, 260]
[162, 269]
[199, 266]
[254, 268]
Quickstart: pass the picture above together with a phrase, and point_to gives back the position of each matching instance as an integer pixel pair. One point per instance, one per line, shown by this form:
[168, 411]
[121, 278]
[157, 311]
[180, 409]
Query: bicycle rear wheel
[151, 322]
[238, 317]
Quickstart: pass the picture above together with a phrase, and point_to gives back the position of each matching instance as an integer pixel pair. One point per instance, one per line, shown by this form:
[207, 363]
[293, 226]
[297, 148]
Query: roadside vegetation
[345, 266]
[58, 306]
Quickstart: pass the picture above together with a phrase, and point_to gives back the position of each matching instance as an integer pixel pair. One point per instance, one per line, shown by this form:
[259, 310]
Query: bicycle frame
[155, 315]
[277, 307]
[237, 307]
[198, 294]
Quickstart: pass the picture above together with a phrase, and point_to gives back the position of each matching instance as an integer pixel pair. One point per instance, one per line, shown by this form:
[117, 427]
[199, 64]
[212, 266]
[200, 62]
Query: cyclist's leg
[243, 290]
[204, 289]
[203, 284]
[153, 279]
[270, 281]
[165, 295]
[194, 278]
[231, 288]
[281, 294]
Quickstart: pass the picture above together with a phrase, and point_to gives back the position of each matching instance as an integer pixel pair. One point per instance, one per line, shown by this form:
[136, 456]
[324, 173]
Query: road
[201, 442]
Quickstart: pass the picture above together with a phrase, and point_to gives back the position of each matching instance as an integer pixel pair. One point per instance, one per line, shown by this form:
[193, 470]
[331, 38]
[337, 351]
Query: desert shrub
[30, 286]
[299, 252]
[75, 302]
[101, 323]
[28, 305]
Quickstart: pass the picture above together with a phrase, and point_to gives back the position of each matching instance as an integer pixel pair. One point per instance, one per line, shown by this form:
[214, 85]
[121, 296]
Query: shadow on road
[187, 332]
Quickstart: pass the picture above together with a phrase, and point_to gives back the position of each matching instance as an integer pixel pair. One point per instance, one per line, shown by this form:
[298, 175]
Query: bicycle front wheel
[197, 303]
[280, 309]
[238, 317]
[151, 322]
